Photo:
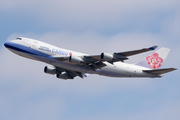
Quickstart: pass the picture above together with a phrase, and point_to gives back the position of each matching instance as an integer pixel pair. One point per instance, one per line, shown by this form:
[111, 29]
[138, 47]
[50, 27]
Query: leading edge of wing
[134, 52]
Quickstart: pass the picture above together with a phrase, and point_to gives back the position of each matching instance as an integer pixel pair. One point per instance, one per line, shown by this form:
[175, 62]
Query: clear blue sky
[92, 26]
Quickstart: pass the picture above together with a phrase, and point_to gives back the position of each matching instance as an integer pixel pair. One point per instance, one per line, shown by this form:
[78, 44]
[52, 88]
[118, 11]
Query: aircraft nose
[7, 44]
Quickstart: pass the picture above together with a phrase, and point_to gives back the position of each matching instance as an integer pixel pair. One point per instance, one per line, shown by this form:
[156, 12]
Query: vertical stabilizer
[154, 60]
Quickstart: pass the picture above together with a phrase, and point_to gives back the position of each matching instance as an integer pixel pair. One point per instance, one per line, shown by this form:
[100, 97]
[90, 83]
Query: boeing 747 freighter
[67, 64]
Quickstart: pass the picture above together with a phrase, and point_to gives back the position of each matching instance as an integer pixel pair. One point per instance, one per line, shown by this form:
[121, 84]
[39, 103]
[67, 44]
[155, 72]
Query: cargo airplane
[67, 64]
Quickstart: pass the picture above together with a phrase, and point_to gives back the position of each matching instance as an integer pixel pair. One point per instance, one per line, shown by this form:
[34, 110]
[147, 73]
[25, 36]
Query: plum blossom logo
[70, 53]
[154, 60]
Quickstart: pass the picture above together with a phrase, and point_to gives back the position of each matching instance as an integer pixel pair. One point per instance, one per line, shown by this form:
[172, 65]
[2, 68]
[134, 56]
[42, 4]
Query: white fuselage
[44, 52]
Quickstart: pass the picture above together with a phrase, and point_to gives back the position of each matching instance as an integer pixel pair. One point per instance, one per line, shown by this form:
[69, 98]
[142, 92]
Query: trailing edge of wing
[72, 74]
[160, 71]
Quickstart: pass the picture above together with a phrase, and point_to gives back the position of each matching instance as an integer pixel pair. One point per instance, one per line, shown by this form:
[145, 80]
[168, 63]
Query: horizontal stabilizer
[160, 71]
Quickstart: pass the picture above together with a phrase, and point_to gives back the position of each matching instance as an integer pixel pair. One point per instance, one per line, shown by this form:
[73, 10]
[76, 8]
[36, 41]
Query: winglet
[153, 47]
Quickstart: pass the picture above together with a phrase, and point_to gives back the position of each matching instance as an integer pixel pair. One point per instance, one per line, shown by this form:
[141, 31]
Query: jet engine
[50, 70]
[107, 56]
[64, 76]
[75, 59]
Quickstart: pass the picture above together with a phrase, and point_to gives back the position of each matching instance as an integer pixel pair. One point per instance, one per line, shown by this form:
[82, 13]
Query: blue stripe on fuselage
[24, 49]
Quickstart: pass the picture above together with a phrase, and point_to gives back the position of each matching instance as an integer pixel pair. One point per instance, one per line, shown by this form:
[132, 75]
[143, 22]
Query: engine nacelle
[75, 59]
[50, 70]
[107, 56]
[64, 76]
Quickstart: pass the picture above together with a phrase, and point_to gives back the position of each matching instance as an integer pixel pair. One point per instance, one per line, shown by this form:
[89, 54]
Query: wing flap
[72, 74]
[160, 71]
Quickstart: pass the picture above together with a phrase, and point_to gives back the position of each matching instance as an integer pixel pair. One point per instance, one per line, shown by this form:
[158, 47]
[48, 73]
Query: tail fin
[155, 60]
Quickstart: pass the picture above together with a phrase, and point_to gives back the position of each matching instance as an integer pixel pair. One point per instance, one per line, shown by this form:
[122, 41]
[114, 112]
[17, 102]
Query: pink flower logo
[70, 53]
[154, 60]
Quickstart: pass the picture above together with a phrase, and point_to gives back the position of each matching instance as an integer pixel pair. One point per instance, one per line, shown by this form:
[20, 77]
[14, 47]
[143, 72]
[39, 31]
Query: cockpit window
[19, 38]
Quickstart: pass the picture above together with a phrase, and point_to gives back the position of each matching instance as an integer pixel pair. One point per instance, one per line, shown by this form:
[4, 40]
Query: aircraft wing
[88, 62]
[117, 56]
[134, 52]
[62, 59]
[94, 62]
[71, 74]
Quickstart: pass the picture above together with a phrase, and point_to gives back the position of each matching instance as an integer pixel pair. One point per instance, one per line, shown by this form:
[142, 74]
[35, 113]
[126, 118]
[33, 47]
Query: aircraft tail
[155, 60]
